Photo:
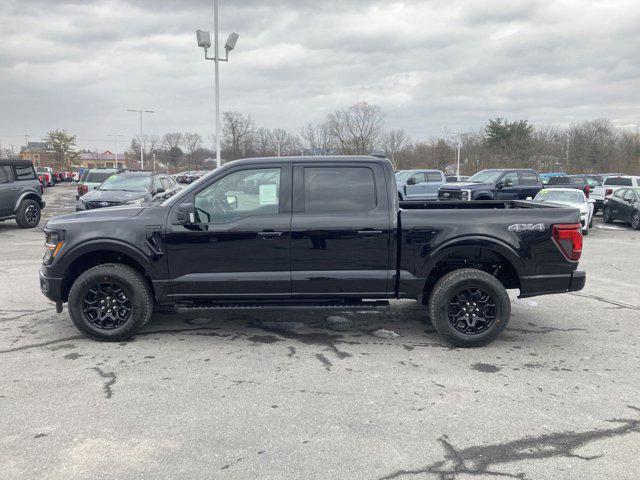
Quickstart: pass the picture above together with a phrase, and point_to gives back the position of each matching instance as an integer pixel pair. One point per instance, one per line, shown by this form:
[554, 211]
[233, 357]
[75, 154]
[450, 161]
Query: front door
[626, 206]
[510, 187]
[340, 231]
[238, 245]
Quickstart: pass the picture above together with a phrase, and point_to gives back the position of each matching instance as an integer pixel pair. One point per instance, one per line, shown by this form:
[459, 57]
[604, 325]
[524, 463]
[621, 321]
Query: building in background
[40, 153]
[101, 160]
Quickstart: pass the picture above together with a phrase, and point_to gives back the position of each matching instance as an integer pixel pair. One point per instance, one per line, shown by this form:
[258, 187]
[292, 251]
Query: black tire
[591, 222]
[585, 232]
[596, 209]
[128, 281]
[607, 216]
[635, 220]
[448, 288]
[28, 214]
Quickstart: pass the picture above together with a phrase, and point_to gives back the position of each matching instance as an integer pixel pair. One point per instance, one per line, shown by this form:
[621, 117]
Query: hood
[113, 196]
[465, 186]
[112, 214]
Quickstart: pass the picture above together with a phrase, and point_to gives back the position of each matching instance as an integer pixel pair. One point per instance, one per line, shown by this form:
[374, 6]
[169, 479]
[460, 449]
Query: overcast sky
[428, 64]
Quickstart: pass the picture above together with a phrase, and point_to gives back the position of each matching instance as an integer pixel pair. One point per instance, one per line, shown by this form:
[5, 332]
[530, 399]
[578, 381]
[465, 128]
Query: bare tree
[263, 142]
[393, 143]
[239, 132]
[192, 144]
[356, 130]
[316, 139]
[172, 140]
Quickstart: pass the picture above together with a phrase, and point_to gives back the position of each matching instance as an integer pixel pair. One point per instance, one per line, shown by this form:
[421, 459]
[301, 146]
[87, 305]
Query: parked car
[580, 182]
[609, 186]
[47, 175]
[494, 184]
[325, 233]
[544, 177]
[572, 198]
[419, 184]
[183, 177]
[92, 178]
[129, 188]
[20, 193]
[623, 205]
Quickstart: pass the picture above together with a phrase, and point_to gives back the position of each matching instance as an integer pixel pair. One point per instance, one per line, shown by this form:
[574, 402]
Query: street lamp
[204, 41]
[115, 145]
[141, 141]
[459, 146]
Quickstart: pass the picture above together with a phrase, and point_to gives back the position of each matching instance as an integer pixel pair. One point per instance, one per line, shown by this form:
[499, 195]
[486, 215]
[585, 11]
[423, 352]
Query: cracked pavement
[290, 395]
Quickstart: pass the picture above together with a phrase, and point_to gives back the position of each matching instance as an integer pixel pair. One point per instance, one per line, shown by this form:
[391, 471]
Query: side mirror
[411, 181]
[186, 214]
[232, 202]
[500, 185]
[529, 198]
[160, 190]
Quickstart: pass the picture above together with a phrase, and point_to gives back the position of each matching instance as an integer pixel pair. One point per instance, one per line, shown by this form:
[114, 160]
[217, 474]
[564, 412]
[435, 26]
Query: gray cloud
[428, 64]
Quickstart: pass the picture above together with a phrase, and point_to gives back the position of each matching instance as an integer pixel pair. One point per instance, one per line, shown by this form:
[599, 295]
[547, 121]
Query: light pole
[459, 146]
[115, 145]
[204, 41]
[141, 141]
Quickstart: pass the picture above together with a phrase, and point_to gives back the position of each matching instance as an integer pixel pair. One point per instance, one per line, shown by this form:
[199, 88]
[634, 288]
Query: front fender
[483, 193]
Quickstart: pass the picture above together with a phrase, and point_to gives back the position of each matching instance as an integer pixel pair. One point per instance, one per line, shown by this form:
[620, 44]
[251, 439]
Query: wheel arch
[487, 254]
[27, 196]
[92, 254]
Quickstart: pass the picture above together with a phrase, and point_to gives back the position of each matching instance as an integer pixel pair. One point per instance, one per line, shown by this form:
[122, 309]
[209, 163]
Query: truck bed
[470, 205]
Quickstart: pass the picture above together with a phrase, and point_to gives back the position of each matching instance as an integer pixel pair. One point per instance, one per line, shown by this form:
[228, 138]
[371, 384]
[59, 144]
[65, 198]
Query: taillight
[568, 237]
[608, 192]
[587, 190]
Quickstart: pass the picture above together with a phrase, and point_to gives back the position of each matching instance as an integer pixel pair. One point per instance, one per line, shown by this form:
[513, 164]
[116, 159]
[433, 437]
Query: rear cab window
[6, 175]
[528, 178]
[434, 177]
[618, 181]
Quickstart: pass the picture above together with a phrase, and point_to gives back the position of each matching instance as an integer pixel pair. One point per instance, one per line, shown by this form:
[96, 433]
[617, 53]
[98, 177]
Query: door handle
[369, 233]
[269, 235]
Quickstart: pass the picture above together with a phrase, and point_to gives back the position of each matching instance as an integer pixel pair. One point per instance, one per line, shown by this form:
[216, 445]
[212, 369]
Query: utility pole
[26, 140]
[204, 41]
[459, 147]
[115, 145]
[140, 112]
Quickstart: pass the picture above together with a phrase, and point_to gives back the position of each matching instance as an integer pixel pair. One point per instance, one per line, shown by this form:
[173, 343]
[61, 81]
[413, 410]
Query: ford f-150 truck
[316, 233]
[494, 184]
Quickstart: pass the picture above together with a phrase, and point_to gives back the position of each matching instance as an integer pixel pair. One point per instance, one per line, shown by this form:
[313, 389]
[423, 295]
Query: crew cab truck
[320, 233]
[494, 184]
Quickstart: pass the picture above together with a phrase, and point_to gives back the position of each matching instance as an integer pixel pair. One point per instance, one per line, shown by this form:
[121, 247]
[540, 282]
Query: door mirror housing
[186, 214]
[160, 190]
[500, 185]
[411, 181]
[232, 202]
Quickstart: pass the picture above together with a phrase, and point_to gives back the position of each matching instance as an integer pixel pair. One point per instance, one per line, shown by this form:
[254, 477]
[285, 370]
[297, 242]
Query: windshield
[562, 196]
[97, 177]
[129, 183]
[403, 174]
[485, 176]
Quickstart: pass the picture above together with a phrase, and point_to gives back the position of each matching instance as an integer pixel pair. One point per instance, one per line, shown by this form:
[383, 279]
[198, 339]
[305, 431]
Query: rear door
[626, 206]
[615, 204]
[7, 191]
[340, 231]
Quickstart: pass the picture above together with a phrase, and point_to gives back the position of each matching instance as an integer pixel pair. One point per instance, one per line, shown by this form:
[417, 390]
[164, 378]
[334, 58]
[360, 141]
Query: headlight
[53, 245]
[464, 195]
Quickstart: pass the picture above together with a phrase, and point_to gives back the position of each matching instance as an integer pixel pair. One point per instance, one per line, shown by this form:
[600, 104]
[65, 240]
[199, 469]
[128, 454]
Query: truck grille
[93, 205]
[449, 195]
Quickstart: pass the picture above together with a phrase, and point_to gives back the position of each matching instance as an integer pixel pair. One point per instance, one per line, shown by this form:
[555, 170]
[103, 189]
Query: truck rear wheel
[110, 302]
[469, 307]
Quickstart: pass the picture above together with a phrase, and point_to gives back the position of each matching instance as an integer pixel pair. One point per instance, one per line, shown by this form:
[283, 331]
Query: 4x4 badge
[527, 227]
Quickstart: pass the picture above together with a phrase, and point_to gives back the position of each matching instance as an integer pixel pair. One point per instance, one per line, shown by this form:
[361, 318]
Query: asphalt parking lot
[324, 394]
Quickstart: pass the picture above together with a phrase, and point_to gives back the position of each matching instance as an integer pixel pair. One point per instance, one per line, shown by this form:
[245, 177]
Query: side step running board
[186, 307]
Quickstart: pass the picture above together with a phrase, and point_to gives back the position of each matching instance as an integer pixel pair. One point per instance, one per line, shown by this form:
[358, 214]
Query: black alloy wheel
[106, 306]
[472, 311]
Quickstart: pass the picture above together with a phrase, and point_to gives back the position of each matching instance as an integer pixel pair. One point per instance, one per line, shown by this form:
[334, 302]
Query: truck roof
[310, 158]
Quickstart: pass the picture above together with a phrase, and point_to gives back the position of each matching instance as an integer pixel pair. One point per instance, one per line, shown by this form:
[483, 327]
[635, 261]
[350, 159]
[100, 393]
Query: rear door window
[619, 193]
[528, 178]
[339, 190]
[25, 172]
[433, 177]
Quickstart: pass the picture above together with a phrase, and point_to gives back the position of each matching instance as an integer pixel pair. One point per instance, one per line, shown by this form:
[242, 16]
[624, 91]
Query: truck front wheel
[469, 307]
[110, 302]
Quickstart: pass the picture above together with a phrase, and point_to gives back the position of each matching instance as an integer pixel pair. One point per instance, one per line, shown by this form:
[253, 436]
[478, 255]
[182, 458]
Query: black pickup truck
[315, 233]
[494, 184]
